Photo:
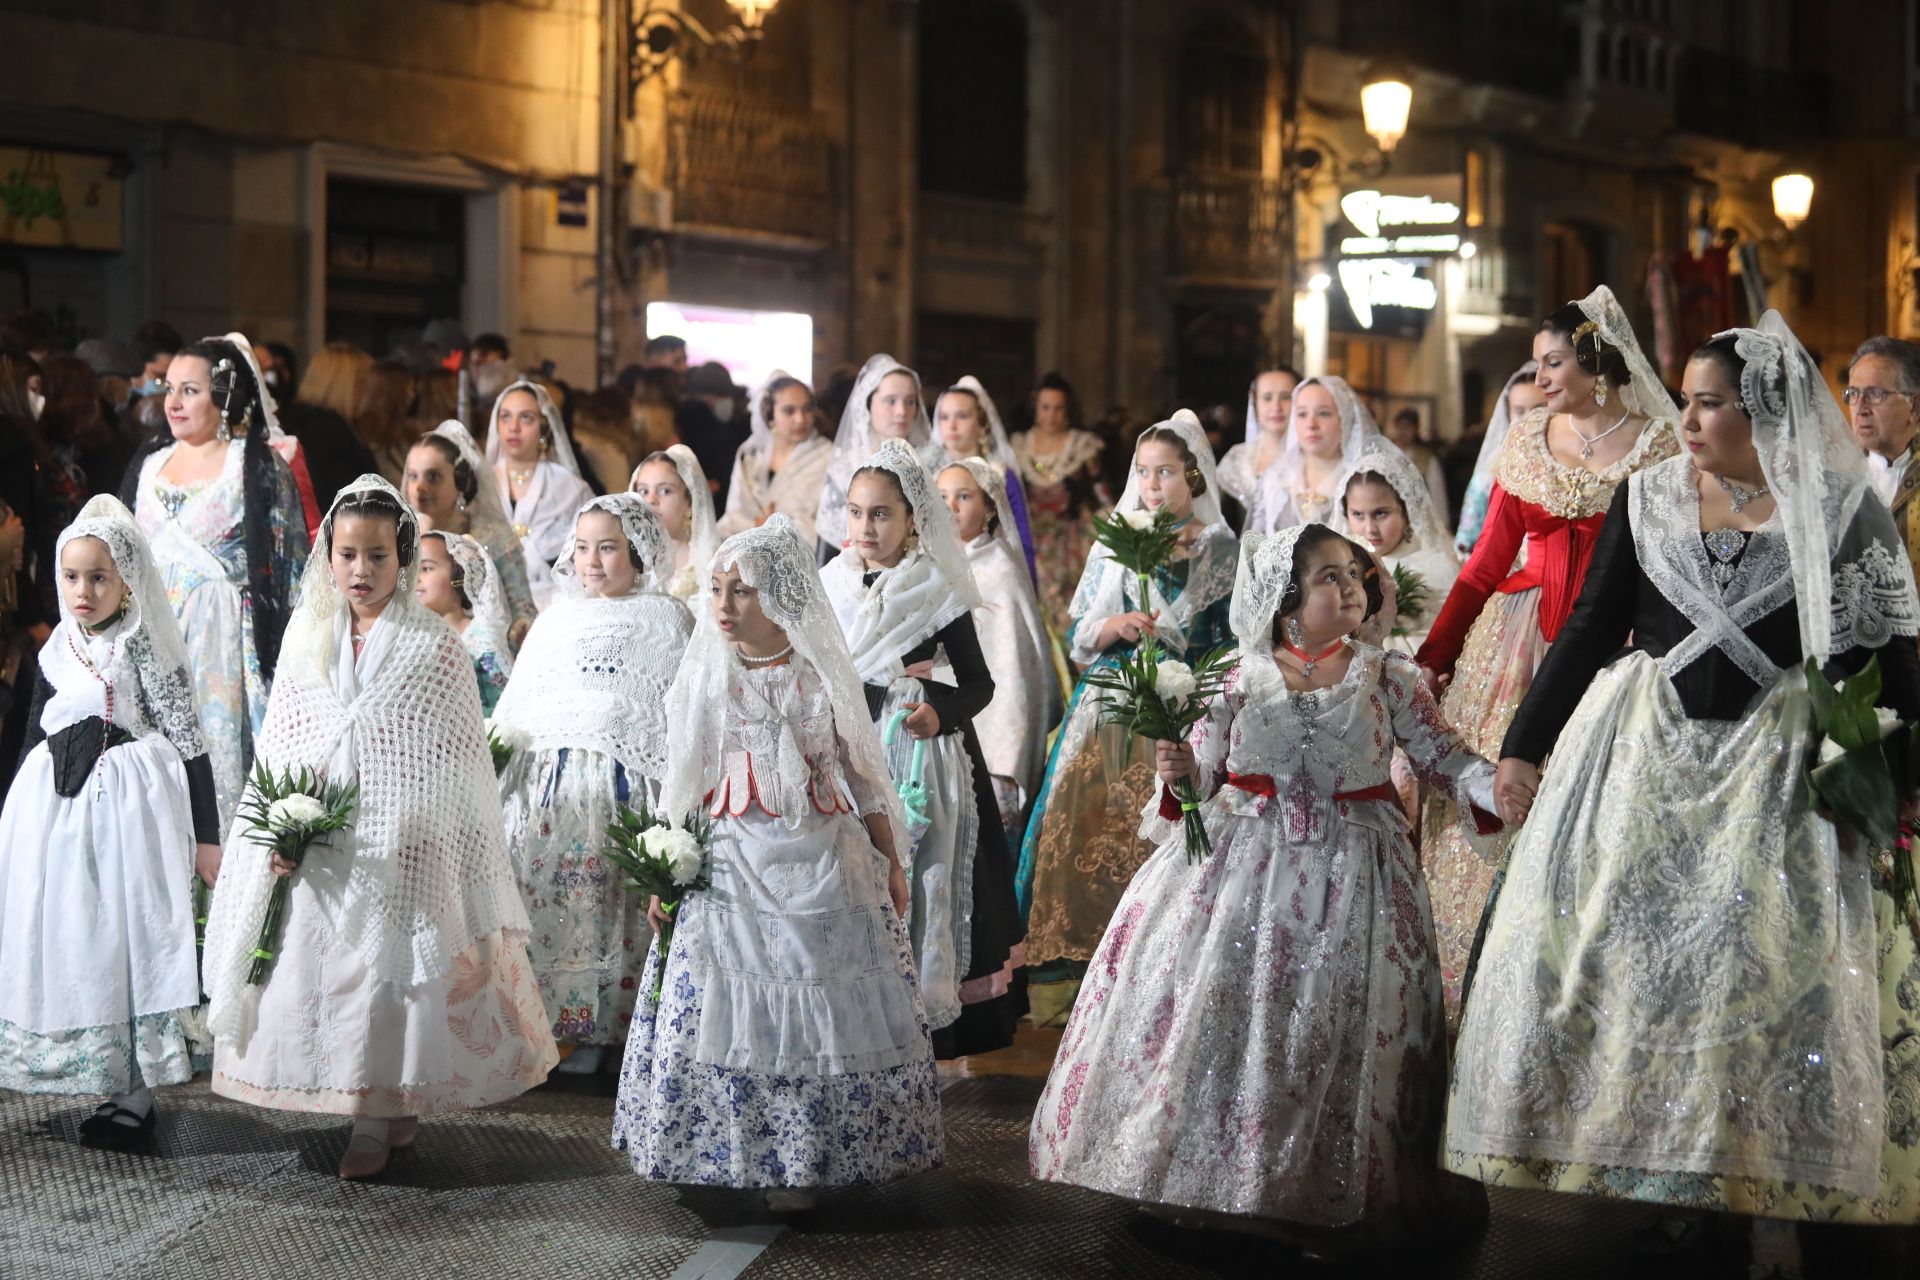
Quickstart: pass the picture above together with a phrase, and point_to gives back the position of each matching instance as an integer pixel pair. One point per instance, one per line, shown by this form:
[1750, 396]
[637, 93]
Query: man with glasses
[1881, 384]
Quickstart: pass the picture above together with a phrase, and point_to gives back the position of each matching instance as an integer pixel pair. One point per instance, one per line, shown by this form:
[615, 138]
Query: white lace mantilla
[1873, 596]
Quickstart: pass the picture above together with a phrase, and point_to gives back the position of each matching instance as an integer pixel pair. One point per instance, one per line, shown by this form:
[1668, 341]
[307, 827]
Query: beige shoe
[366, 1157]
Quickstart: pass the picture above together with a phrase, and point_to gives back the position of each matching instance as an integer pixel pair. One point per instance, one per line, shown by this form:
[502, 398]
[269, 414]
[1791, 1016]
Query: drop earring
[1294, 633]
[1600, 391]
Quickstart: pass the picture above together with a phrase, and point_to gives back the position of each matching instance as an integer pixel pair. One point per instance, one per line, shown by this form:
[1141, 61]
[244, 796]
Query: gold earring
[1600, 391]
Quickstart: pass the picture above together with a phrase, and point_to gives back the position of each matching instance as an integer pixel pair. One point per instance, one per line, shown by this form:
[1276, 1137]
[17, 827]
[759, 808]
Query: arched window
[973, 99]
[1223, 97]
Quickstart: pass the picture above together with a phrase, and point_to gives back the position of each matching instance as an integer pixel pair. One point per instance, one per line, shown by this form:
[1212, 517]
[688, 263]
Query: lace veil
[1424, 530]
[487, 633]
[930, 587]
[772, 560]
[1259, 585]
[1818, 477]
[312, 638]
[486, 507]
[1358, 432]
[702, 541]
[999, 446]
[852, 443]
[1103, 587]
[1502, 421]
[993, 482]
[1646, 395]
[561, 450]
[644, 534]
[150, 640]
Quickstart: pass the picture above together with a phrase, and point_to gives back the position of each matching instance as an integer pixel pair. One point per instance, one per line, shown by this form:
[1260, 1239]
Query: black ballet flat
[104, 1128]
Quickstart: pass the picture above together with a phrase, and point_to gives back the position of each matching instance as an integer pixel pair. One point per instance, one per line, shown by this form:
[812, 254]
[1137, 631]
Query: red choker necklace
[1308, 660]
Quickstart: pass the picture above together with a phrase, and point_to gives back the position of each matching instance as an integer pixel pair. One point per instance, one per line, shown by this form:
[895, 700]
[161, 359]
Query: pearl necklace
[104, 676]
[522, 478]
[1587, 442]
[747, 660]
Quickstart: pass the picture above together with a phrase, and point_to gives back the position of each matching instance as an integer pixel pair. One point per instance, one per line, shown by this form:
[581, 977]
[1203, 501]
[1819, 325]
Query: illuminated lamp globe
[752, 12]
[1319, 282]
[1386, 99]
[1792, 198]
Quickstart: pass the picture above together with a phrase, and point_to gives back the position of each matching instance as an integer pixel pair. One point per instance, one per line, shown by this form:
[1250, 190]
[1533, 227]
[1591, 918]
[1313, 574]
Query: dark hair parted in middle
[1196, 479]
[380, 505]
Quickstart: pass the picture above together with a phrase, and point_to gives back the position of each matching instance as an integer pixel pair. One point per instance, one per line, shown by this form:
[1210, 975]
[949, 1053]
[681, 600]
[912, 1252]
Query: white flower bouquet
[1161, 699]
[288, 813]
[661, 860]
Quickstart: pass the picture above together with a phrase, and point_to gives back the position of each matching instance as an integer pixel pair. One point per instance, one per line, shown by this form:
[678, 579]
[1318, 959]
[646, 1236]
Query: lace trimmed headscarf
[854, 442]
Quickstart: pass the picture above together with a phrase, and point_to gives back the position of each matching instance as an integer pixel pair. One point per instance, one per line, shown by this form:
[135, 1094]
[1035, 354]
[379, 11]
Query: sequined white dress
[1262, 1034]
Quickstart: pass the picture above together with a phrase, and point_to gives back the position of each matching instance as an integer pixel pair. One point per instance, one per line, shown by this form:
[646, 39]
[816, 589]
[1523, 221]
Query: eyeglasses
[1873, 397]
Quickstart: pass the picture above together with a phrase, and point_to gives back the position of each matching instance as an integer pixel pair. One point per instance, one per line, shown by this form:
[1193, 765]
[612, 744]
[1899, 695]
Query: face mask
[152, 387]
[272, 378]
[36, 402]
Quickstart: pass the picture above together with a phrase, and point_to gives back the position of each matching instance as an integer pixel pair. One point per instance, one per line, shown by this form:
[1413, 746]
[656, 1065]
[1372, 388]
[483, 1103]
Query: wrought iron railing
[748, 165]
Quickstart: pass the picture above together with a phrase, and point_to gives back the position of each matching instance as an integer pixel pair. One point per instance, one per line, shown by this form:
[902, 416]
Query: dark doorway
[973, 100]
[396, 258]
[996, 351]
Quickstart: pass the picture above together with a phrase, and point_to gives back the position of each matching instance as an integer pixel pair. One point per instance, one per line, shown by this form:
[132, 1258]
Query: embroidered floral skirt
[1686, 996]
[589, 935]
[790, 1047]
[1503, 650]
[1262, 1035]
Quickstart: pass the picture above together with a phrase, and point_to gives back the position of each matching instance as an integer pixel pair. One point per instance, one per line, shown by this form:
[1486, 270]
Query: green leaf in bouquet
[1822, 694]
[1410, 599]
[1858, 789]
[1855, 723]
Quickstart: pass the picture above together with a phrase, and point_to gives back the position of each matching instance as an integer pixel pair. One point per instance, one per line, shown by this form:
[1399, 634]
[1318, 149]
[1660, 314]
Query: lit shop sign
[1383, 250]
[60, 199]
[1390, 224]
[1384, 282]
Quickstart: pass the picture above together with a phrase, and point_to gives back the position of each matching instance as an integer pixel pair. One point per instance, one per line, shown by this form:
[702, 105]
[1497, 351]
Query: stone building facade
[1114, 188]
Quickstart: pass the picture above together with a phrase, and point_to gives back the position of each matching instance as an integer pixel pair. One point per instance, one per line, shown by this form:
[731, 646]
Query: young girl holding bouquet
[1082, 843]
[399, 984]
[1261, 1035]
[110, 813]
[585, 714]
[903, 593]
[789, 1050]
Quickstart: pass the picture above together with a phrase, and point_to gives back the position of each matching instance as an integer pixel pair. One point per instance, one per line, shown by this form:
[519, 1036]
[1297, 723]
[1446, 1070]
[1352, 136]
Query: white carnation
[1830, 751]
[1142, 519]
[1174, 682]
[507, 736]
[295, 808]
[1889, 720]
[679, 850]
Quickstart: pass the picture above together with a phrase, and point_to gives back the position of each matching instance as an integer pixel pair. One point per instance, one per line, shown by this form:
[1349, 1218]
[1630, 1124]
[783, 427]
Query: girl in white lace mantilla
[1269, 413]
[967, 425]
[458, 581]
[106, 819]
[1385, 504]
[1680, 995]
[783, 465]
[1026, 704]
[539, 479]
[450, 484]
[886, 404]
[1262, 1035]
[790, 1048]
[585, 714]
[904, 595]
[401, 986]
[676, 488]
[1330, 428]
[1083, 845]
